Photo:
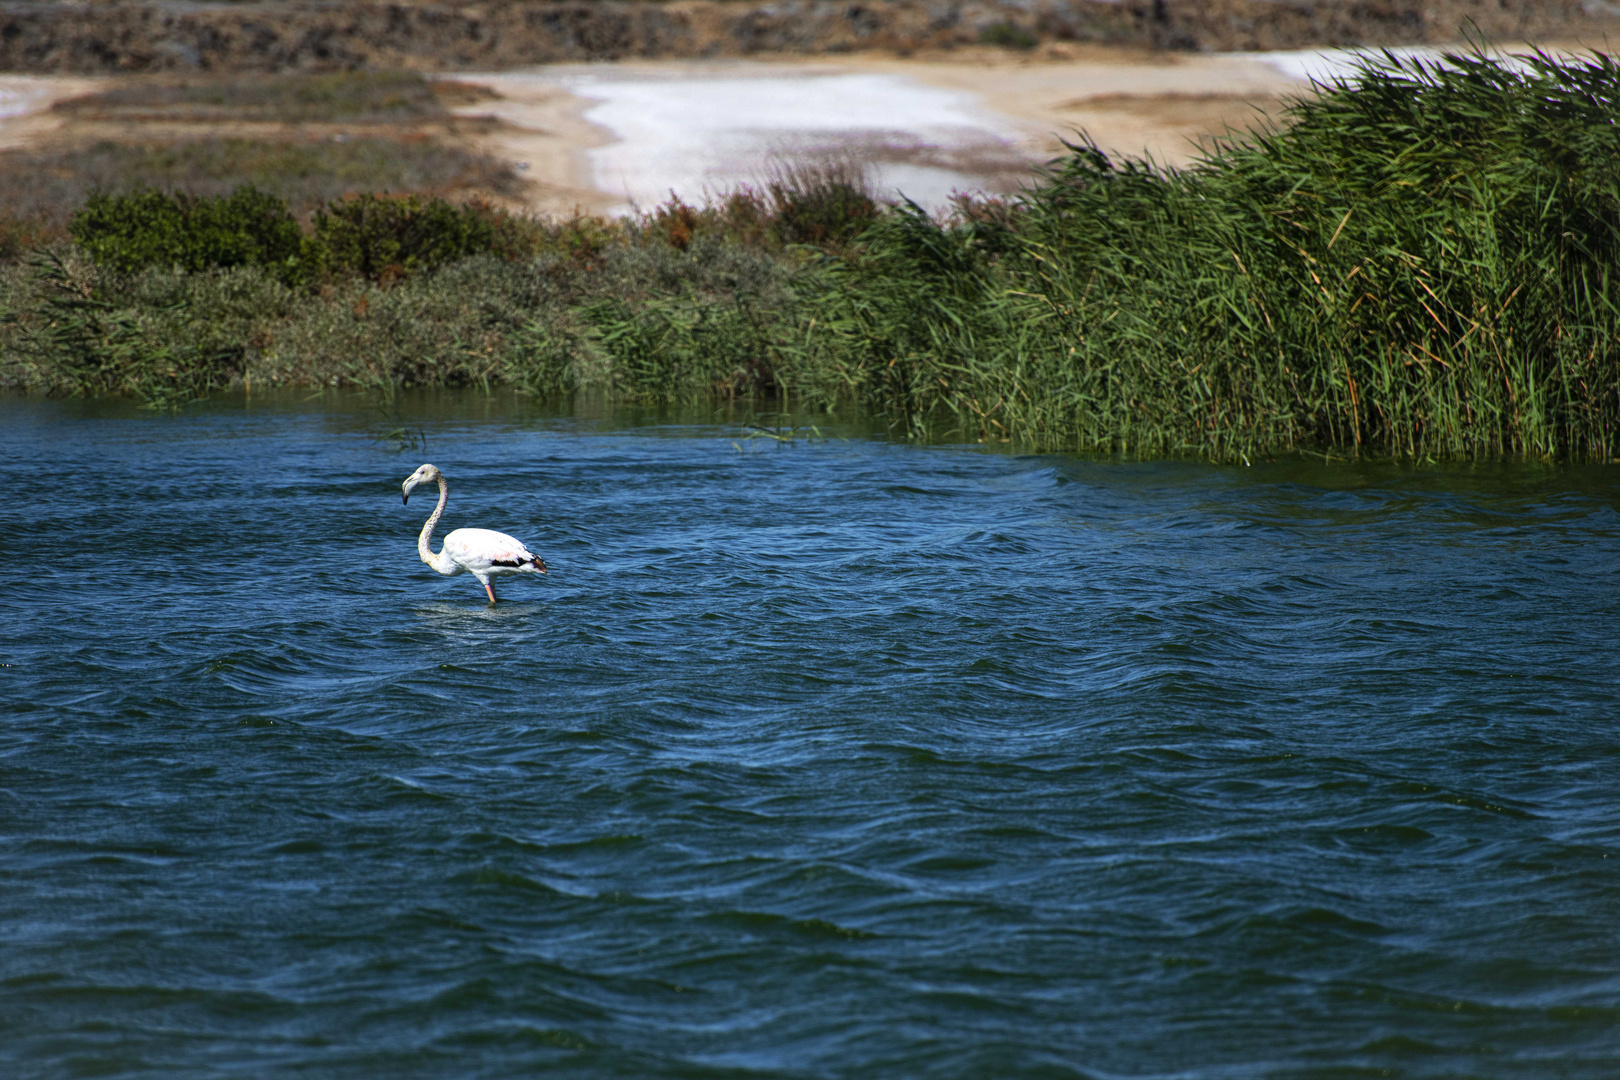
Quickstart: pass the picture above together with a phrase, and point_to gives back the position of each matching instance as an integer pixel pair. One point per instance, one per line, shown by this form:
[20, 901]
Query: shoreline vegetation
[1419, 261]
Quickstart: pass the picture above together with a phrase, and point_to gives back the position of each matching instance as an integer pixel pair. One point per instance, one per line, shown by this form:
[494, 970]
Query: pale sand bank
[25, 101]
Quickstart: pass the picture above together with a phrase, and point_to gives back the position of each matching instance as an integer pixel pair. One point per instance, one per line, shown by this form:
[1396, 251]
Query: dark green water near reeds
[842, 759]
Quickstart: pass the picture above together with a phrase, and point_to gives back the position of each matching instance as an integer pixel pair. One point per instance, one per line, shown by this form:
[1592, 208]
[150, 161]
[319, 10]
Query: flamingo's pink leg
[491, 592]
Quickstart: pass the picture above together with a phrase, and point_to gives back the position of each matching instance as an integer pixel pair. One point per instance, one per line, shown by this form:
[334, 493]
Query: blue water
[833, 759]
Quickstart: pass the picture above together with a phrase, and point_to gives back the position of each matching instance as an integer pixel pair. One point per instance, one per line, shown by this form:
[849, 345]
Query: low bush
[378, 238]
[581, 241]
[53, 184]
[370, 236]
[1008, 35]
[153, 228]
[825, 204]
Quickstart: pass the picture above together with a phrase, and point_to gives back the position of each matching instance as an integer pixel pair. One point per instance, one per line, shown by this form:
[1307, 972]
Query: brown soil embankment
[45, 36]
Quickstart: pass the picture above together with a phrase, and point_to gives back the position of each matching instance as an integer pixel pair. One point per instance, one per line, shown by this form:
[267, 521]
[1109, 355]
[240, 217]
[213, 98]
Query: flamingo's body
[483, 553]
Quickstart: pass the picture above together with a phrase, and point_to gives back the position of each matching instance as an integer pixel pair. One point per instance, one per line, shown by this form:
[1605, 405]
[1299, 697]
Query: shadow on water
[480, 612]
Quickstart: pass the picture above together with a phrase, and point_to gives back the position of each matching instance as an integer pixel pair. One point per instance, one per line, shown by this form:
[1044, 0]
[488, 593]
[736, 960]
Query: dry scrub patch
[307, 138]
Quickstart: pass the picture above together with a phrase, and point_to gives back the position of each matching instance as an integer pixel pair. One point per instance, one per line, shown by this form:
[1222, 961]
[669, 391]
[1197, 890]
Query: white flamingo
[483, 553]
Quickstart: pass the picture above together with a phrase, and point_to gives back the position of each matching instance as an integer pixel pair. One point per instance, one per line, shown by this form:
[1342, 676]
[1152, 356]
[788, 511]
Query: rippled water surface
[841, 759]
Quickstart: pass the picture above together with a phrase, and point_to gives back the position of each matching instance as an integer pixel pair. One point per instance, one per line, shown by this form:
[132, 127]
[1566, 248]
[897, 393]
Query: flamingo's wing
[485, 549]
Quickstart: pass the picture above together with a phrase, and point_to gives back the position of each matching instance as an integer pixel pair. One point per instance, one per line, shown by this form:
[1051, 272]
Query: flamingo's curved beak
[405, 489]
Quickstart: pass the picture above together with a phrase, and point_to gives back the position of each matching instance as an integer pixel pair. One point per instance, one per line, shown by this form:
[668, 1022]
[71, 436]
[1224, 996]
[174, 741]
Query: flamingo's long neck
[439, 562]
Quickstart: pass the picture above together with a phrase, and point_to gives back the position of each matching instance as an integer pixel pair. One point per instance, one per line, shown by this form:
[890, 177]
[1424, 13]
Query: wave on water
[860, 759]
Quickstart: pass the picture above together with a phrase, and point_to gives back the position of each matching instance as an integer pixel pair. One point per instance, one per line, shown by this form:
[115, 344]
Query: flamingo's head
[426, 474]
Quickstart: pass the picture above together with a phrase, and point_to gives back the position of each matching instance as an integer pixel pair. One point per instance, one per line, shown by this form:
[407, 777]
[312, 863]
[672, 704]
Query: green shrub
[51, 184]
[154, 228]
[1007, 35]
[382, 238]
[582, 239]
[825, 204]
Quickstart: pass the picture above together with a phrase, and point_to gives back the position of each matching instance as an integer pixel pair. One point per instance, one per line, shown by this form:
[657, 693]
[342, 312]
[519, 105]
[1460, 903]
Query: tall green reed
[1419, 261]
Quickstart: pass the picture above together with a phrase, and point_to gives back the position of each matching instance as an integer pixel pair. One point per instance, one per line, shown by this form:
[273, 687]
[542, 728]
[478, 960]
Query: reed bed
[1416, 261]
[1419, 262]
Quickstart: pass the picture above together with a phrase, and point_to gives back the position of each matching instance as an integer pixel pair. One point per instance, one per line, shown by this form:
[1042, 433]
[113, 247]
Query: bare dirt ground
[542, 133]
[1130, 101]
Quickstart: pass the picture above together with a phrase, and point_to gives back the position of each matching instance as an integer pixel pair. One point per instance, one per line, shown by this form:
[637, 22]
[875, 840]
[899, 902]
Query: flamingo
[483, 553]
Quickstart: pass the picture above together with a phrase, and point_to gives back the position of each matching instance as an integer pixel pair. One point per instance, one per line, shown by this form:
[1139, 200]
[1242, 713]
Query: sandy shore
[25, 102]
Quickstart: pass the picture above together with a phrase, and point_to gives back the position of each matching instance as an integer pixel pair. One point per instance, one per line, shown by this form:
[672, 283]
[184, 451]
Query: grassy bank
[1419, 262]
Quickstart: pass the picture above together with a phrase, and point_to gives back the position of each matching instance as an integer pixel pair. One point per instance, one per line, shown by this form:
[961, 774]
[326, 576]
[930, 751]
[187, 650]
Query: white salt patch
[1325, 65]
[15, 100]
[700, 136]
[24, 94]
[925, 185]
